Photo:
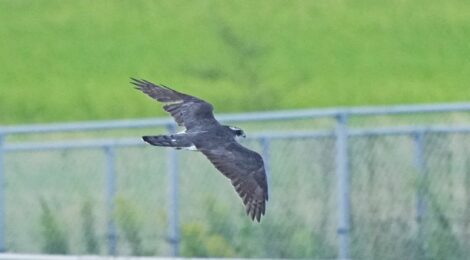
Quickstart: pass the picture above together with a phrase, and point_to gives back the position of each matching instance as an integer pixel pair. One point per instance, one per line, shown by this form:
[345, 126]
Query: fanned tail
[176, 141]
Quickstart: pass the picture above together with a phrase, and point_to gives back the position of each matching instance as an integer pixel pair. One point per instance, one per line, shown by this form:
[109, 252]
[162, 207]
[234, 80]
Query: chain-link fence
[340, 187]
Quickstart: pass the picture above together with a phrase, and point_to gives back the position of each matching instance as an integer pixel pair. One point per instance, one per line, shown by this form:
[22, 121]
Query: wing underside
[246, 171]
[188, 111]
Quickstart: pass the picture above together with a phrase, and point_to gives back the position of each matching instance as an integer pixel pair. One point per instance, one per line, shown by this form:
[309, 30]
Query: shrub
[198, 241]
[88, 228]
[54, 237]
[130, 225]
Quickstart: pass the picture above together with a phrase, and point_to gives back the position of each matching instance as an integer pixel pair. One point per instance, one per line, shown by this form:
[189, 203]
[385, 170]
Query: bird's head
[237, 132]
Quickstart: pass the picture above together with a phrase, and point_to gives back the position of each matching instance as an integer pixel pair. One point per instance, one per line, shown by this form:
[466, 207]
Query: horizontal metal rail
[13, 256]
[128, 142]
[77, 144]
[407, 130]
[85, 126]
[240, 117]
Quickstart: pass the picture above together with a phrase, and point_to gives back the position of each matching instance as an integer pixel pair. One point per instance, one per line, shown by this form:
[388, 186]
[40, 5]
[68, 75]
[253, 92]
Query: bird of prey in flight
[217, 142]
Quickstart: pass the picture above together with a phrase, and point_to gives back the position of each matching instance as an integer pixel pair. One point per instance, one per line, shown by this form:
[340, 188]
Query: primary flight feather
[244, 167]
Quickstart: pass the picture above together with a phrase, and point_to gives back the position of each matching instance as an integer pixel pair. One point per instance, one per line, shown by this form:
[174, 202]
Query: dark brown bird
[244, 167]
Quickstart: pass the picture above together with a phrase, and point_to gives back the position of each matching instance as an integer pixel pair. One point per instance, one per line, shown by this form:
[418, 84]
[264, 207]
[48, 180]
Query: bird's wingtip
[134, 81]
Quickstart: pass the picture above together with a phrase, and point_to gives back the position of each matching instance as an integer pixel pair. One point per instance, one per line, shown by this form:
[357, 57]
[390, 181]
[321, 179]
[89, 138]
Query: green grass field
[71, 60]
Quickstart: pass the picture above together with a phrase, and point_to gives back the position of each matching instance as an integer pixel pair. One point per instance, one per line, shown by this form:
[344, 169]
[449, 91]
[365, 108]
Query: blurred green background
[71, 60]
[66, 60]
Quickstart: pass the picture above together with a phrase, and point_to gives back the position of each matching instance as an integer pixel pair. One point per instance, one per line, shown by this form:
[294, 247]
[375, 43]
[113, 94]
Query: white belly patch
[190, 148]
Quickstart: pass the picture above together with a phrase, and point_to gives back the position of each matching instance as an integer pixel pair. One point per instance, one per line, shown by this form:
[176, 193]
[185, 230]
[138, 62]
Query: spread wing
[245, 169]
[188, 111]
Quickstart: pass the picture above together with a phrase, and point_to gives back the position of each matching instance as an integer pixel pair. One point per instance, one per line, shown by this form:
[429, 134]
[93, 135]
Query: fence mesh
[409, 195]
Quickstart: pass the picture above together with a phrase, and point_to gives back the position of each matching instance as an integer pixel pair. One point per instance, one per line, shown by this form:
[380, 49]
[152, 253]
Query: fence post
[265, 144]
[343, 179]
[421, 204]
[111, 198]
[173, 216]
[2, 198]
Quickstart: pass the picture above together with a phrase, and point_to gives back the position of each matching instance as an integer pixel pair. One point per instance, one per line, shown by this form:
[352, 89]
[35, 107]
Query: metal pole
[421, 206]
[173, 216]
[110, 198]
[2, 198]
[265, 144]
[342, 174]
